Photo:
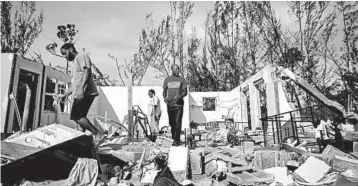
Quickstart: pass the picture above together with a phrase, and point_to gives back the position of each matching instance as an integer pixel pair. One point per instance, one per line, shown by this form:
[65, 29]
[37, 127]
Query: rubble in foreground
[211, 161]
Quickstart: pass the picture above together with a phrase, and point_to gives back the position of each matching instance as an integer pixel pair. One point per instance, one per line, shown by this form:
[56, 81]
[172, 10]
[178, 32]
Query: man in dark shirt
[175, 89]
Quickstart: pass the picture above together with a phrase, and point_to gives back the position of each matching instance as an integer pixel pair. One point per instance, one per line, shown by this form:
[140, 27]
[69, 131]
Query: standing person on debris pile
[175, 89]
[83, 89]
[154, 112]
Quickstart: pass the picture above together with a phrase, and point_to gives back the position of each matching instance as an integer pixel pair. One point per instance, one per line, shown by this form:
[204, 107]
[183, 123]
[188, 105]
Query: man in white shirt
[84, 90]
[154, 113]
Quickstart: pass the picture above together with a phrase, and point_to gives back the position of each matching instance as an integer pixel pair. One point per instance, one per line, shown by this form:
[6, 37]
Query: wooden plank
[16, 151]
[264, 177]
[242, 179]
[302, 152]
[30, 66]
[241, 168]
[354, 155]
[141, 160]
[226, 158]
[52, 73]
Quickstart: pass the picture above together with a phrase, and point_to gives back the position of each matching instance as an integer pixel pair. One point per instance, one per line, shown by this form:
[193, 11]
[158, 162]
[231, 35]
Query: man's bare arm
[86, 75]
[185, 93]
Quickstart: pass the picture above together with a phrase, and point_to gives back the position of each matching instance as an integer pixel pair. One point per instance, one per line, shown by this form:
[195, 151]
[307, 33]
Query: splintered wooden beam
[332, 105]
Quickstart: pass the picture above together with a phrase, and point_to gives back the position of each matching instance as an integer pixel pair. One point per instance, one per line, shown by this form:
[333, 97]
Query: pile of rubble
[118, 162]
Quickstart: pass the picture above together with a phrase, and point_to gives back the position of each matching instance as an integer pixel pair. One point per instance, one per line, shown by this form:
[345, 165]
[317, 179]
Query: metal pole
[273, 131]
[292, 125]
[277, 130]
[280, 130]
[264, 130]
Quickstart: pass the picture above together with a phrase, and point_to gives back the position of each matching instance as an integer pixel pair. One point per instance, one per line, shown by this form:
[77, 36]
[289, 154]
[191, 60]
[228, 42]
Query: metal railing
[293, 123]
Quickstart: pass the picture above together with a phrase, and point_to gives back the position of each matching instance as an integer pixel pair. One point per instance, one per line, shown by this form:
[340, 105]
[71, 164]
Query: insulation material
[46, 136]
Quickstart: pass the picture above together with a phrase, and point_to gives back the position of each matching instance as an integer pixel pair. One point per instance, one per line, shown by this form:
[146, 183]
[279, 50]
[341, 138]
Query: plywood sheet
[46, 136]
[16, 151]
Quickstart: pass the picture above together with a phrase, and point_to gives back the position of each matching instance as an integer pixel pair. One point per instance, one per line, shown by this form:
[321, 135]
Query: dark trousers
[175, 114]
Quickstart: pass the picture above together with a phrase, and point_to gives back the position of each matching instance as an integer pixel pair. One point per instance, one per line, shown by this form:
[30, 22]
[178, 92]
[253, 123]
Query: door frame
[37, 69]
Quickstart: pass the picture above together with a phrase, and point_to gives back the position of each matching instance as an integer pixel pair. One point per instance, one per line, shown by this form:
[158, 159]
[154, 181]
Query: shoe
[175, 144]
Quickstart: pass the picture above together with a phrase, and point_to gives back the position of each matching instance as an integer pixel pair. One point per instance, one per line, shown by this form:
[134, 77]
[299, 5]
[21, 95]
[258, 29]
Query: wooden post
[25, 115]
[130, 104]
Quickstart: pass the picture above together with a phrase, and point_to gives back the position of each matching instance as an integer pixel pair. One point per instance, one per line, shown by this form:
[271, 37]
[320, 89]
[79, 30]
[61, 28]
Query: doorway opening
[25, 99]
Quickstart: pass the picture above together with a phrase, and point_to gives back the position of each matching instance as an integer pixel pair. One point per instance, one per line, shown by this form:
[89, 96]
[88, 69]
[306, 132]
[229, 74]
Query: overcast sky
[114, 27]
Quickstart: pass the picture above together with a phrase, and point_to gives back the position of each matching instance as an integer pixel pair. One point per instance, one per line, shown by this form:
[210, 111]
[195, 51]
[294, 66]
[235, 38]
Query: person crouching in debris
[154, 112]
[175, 89]
[83, 88]
[164, 176]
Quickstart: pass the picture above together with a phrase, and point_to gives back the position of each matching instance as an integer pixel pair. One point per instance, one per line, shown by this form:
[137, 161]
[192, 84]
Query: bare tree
[315, 32]
[130, 72]
[166, 42]
[19, 33]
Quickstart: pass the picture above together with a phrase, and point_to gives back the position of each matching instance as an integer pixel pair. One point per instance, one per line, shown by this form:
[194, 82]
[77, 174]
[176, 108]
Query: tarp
[84, 173]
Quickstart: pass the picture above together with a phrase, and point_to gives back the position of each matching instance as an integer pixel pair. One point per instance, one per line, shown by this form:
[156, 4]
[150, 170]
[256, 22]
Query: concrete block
[196, 163]
[248, 147]
[211, 167]
[305, 170]
[222, 166]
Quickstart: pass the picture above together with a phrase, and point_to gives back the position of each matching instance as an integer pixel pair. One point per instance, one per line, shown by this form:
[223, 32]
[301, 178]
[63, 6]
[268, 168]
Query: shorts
[80, 108]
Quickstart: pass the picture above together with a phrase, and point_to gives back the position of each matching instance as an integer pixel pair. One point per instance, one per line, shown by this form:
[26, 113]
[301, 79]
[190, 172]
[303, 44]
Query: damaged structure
[252, 135]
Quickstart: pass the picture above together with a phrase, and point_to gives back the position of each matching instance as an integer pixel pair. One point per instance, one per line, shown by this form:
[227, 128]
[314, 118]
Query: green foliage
[18, 33]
